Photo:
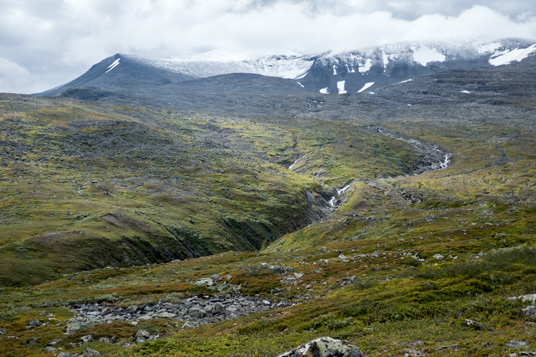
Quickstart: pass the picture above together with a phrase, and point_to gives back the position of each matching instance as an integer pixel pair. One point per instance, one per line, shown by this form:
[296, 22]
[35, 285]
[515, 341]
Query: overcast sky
[45, 43]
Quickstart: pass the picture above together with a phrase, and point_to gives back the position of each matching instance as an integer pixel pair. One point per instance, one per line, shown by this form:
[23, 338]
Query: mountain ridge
[354, 71]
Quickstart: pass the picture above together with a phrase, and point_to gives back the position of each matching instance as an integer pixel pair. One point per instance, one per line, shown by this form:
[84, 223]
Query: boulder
[529, 311]
[204, 282]
[86, 338]
[439, 256]
[33, 324]
[132, 308]
[142, 333]
[517, 344]
[324, 347]
[342, 258]
[76, 326]
[89, 352]
[476, 325]
[215, 309]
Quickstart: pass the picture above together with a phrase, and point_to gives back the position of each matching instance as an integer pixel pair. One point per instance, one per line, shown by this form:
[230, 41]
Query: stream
[429, 158]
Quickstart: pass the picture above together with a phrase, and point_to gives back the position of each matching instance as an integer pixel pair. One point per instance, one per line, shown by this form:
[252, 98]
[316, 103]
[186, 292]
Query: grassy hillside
[86, 186]
[437, 263]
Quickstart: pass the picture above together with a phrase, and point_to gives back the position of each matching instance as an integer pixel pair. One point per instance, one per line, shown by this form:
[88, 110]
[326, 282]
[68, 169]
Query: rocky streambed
[191, 312]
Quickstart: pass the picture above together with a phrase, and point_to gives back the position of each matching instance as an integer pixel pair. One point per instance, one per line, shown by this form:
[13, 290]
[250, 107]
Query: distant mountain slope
[359, 71]
[119, 71]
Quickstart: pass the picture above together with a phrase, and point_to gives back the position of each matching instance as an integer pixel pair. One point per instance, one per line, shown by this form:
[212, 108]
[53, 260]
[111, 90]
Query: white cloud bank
[46, 44]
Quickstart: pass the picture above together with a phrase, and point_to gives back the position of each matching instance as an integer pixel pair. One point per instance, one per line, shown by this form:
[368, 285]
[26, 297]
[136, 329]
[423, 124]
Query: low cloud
[52, 42]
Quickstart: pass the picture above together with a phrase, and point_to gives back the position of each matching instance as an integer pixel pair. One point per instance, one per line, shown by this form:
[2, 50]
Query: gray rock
[188, 324]
[204, 282]
[74, 327]
[516, 344]
[476, 325]
[166, 315]
[65, 354]
[142, 333]
[50, 349]
[30, 341]
[54, 342]
[86, 338]
[33, 324]
[132, 308]
[530, 298]
[215, 309]
[197, 312]
[324, 347]
[89, 352]
[529, 311]
[342, 258]
[439, 256]
[2, 331]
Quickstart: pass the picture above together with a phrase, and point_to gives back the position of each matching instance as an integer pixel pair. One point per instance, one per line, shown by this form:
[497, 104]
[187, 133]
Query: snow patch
[334, 70]
[425, 55]
[324, 90]
[490, 47]
[466, 91]
[365, 87]
[301, 85]
[340, 87]
[213, 63]
[385, 59]
[113, 65]
[508, 57]
[302, 76]
[366, 67]
[406, 81]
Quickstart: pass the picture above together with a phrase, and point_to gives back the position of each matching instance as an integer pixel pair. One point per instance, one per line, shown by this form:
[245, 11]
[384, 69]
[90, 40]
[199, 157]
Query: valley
[195, 221]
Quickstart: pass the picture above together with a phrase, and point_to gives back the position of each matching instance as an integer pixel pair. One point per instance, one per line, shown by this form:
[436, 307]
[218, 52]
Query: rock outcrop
[325, 347]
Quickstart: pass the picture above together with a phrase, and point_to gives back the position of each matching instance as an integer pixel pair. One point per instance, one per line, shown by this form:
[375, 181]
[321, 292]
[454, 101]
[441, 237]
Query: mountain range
[359, 71]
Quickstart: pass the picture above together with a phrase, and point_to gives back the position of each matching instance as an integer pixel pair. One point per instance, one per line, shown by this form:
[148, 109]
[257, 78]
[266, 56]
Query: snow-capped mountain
[360, 71]
[368, 69]
[217, 63]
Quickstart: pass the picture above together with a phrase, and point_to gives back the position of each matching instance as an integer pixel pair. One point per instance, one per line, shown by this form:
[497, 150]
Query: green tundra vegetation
[125, 205]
